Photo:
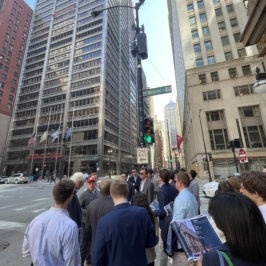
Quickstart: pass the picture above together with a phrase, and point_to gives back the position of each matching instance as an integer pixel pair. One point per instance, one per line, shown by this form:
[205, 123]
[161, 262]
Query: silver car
[18, 178]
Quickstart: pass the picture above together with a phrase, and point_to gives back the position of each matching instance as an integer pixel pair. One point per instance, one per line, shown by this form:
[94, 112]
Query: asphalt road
[19, 204]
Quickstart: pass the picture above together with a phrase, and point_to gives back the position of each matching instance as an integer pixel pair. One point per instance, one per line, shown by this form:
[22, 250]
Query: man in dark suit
[124, 233]
[131, 190]
[98, 208]
[167, 194]
[135, 180]
[146, 186]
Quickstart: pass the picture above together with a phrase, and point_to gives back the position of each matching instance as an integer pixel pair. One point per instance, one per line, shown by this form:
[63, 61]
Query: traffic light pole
[140, 86]
[140, 103]
[204, 144]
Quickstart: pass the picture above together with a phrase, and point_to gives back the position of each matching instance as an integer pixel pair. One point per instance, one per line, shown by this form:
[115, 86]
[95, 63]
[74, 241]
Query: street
[19, 205]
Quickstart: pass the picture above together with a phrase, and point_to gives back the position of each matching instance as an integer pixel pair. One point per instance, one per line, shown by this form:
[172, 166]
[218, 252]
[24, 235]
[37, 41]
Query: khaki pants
[180, 259]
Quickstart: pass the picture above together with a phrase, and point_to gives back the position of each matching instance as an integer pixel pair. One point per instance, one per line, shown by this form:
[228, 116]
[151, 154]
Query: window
[221, 25]
[192, 20]
[233, 22]
[232, 73]
[199, 62]
[253, 130]
[194, 34]
[230, 9]
[200, 4]
[228, 56]
[214, 76]
[237, 37]
[205, 31]
[215, 1]
[9, 106]
[2, 84]
[196, 48]
[242, 52]
[243, 90]
[218, 139]
[246, 70]
[211, 95]
[225, 40]
[202, 78]
[211, 60]
[218, 12]
[11, 98]
[208, 45]
[3, 76]
[203, 17]
[190, 7]
[1, 93]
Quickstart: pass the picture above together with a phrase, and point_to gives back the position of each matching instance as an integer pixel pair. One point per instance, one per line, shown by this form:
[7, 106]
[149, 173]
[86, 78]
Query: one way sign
[142, 155]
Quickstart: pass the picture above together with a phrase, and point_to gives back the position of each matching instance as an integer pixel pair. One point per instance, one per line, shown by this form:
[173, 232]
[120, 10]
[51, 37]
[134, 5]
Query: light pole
[204, 144]
[139, 50]
[260, 84]
[109, 151]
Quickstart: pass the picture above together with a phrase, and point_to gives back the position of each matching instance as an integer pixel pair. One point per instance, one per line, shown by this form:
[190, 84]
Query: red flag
[179, 140]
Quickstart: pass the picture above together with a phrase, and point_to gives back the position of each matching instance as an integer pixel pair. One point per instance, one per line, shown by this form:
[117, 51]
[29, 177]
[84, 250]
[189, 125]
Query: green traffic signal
[148, 139]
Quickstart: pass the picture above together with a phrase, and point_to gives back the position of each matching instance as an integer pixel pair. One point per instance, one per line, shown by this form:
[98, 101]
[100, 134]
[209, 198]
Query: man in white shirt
[52, 237]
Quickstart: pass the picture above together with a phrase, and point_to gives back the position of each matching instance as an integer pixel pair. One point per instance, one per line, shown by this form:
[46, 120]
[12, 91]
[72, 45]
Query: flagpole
[70, 146]
[57, 145]
[45, 146]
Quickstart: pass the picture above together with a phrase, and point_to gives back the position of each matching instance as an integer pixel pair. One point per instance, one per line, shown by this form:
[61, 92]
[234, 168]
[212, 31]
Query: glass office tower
[76, 108]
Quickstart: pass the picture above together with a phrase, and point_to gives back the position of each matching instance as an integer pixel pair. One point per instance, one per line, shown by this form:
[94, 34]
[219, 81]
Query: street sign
[156, 91]
[243, 158]
[142, 156]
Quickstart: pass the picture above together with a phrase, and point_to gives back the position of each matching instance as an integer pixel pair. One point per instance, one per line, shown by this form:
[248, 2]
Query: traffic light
[148, 131]
[97, 163]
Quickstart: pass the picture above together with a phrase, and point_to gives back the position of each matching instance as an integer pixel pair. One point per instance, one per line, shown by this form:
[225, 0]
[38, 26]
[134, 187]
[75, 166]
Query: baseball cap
[91, 179]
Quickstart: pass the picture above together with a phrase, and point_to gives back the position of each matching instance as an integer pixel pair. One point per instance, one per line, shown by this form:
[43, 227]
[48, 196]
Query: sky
[158, 68]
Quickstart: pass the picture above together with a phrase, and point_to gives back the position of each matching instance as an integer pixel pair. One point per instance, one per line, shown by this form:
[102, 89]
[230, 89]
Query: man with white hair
[74, 208]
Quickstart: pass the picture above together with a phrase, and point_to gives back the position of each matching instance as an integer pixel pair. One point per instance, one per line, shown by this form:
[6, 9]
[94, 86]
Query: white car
[18, 178]
[210, 188]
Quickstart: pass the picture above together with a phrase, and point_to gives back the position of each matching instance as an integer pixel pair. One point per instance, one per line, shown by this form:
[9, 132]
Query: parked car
[3, 179]
[18, 178]
[210, 188]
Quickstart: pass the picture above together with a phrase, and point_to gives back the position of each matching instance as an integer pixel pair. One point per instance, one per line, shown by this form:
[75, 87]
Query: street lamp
[109, 151]
[139, 50]
[204, 144]
[170, 152]
[260, 84]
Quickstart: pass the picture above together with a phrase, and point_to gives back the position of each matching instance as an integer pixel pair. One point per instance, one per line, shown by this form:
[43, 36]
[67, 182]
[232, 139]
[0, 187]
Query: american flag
[32, 139]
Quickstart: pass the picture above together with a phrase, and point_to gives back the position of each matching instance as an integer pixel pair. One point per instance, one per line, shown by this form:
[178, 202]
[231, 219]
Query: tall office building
[15, 18]
[170, 129]
[217, 73]
[76, 106]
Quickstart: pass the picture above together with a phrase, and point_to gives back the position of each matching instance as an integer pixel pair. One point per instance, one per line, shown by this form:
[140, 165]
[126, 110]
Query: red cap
[91, 179]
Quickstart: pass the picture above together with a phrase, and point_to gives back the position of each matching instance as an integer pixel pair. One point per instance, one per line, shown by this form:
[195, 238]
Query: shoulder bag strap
[227, 258]
[221, 260]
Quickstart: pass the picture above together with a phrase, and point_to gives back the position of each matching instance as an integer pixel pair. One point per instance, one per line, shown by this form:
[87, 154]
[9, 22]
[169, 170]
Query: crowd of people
[111, 223]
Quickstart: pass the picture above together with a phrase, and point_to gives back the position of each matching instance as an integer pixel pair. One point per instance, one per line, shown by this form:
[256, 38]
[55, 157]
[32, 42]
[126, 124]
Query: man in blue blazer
[124, 233]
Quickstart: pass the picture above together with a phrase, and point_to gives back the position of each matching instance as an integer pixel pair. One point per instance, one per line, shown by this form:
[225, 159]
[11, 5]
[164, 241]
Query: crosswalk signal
[148, 131]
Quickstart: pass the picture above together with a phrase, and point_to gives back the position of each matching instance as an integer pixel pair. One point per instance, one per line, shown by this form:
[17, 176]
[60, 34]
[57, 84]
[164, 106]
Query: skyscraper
[215, 76]
[15, 18]
[78, 83]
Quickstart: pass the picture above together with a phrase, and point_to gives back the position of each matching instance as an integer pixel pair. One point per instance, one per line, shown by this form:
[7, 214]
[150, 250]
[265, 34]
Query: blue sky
[159, 69]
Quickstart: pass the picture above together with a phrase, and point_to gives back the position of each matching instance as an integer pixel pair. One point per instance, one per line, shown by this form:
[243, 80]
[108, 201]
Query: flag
[55, 135]
[44, 137]
[179, 141]
[32, 139]
[68, 134]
